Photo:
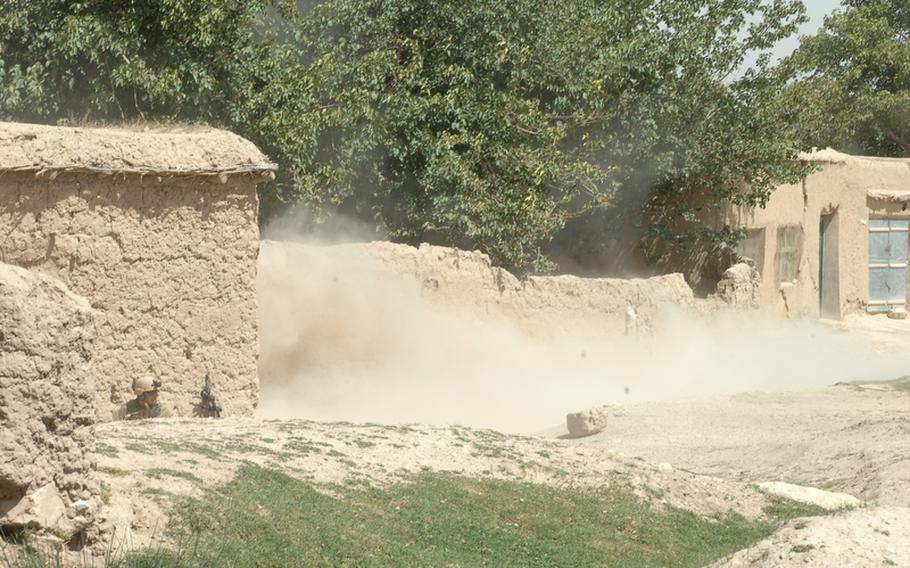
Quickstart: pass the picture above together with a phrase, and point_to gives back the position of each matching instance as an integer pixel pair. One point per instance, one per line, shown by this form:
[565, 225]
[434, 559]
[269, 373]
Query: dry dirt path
[849, 439]
[842, 438]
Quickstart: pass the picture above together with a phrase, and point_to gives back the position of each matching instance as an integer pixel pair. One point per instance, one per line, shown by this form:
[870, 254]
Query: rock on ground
[587, 422]
[739, 286]
[47, 412]
[810, 495]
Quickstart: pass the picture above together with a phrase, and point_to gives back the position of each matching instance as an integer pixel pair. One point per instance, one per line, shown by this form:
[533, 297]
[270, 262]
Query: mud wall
[168, 263]
[839, 187]
[47, 406]
[467, 283]
[330, 283]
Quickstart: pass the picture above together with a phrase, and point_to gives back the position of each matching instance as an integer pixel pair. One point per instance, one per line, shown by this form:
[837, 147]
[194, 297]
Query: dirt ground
[707, 455]
[846, 438]
[843, 438]
[145, 465]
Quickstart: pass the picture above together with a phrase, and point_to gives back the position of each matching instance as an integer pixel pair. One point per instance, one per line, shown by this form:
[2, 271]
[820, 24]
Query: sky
[816, 10]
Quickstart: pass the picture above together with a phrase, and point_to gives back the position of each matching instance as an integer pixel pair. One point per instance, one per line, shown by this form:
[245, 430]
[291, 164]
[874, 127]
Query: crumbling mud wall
[47, 410]
[360, 301]
[159, 231]
[466, 283]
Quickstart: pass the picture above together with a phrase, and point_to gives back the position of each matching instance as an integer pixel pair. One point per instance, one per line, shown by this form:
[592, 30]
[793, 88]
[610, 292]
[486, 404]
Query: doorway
[828, 275]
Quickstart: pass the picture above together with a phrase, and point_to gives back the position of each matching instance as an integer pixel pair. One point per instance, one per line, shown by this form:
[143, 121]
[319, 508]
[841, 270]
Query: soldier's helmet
[145, 384]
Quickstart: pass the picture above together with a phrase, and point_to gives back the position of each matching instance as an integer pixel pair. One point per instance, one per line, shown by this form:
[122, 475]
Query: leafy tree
[482, 124]
[115, 60]
[855, 87]
[492, 125]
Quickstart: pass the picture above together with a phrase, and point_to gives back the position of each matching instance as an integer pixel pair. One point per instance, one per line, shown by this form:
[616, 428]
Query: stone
[587, 422]
[898, 314]
[739, 286]
[43, 509]
[810, 495]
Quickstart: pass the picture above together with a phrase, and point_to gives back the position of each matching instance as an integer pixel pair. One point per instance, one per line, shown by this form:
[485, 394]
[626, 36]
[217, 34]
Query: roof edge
[174, 151]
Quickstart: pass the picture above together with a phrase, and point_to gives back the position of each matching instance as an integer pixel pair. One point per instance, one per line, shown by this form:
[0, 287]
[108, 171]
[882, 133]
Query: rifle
[208, 407]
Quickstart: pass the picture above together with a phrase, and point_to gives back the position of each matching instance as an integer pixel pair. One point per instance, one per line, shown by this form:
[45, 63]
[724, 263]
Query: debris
[898, 314]
[739, 286]
[43, 509]
[587, 422]
[631, 321]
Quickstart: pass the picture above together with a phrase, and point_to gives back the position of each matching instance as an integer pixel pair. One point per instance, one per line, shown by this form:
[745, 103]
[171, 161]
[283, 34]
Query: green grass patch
[265, 518]
[160, 472]
[113, 471]
[106, 450]
[139, 448]
[156, 492]
[783, 510]
[302, 446]
[900, 384]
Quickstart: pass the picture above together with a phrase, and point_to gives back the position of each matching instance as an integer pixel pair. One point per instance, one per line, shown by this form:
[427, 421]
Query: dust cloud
[344, 340]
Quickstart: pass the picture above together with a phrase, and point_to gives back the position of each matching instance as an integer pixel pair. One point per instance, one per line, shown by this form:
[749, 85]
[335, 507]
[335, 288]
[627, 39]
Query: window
[789, 251]
[887, 264]
[753, 247]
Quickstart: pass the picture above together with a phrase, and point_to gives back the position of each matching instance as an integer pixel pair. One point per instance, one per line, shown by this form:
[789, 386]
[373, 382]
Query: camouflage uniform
[139, 409]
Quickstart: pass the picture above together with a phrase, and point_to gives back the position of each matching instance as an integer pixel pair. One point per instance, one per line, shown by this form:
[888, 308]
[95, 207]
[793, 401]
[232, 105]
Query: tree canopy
[854, 79]
[483, 124]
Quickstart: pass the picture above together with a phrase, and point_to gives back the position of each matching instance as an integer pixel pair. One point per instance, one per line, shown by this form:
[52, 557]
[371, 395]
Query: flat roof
[174, 150]
[831, 156]
[898, 196]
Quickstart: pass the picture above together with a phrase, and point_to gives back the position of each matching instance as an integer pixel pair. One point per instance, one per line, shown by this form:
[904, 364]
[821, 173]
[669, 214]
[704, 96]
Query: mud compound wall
[47, 406]
[359, 299]
[838, 190]
[168, 263]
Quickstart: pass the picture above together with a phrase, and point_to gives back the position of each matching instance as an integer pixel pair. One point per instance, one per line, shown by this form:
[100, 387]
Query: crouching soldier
[145, 405]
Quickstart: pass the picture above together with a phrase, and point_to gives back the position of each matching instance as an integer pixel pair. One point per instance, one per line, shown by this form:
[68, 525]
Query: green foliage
[483, 124]
[265, 518]
[490, 125]
[783, 510]
[112, 60]
[855, 92]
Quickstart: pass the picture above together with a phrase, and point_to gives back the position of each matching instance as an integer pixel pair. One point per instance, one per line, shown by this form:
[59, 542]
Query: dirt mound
[46, 405]
[145, 465]
[32, 147]
[861, 538]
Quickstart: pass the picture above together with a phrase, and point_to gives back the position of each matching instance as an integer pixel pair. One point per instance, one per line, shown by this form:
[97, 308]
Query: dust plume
[345, 339]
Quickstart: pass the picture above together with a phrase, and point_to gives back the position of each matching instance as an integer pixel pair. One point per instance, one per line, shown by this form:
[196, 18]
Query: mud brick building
[158, 229]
